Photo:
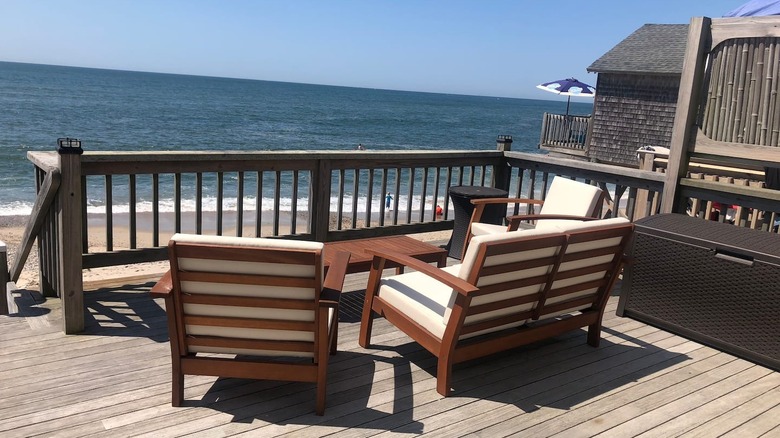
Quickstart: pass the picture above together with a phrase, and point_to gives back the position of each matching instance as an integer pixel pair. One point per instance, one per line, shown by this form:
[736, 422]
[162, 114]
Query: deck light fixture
[69, 145]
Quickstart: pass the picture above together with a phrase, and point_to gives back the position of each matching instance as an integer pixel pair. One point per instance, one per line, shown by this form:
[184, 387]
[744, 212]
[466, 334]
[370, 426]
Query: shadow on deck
[114, 379]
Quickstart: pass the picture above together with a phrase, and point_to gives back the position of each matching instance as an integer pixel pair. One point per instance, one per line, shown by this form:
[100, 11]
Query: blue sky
[480, 47]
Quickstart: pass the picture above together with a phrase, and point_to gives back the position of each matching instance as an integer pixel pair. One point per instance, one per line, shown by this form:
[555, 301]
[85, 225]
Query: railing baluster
[109, 214]
[259, 204]
[369, 196]
[397, 194]
[447, 186]
[383, 193]
[294, 206]
[177, 201]
[84, 217]
[277, 200]
[423, 194]
[199, 203]
[355, 187]
[155, 210]
[410, 196]
[436, 182]
[340, 207]
[220, 198]
[240, 205]
[132, 213]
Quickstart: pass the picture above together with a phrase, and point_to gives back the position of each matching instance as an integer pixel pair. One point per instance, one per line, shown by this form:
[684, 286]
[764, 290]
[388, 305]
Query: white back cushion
[568, 197]
[233, 289]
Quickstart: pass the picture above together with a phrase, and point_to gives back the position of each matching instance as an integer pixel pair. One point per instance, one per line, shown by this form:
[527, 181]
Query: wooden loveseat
[511, 289]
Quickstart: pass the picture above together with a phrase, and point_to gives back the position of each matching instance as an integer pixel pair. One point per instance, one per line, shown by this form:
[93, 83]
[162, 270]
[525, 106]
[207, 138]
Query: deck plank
[114, 380]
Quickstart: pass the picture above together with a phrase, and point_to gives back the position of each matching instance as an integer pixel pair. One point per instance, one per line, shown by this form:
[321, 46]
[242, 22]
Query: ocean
[112, 110]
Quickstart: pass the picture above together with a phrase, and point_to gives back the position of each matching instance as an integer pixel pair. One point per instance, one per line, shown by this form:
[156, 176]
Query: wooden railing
[564, 133]
[319, 187]
[330, 196]
[630, 193]
[734, 193]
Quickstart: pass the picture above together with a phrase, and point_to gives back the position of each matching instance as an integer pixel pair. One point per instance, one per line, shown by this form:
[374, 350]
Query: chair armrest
[514, 221]
[460, 285]
[334, 280]
[480, 204]
[163, 287]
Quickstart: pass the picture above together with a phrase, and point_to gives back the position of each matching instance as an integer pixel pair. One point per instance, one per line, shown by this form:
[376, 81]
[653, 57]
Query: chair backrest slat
[258, 293]
[250, 279]
[533, 274]
[249, 344]
[248, 323]
[271, 303]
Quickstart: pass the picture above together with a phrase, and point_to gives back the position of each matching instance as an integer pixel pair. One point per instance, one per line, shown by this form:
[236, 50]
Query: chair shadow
[560, 372]
[348, 393]
[126, 310]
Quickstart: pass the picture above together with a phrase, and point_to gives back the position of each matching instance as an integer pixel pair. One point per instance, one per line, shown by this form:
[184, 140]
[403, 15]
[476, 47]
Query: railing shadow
[125, 311]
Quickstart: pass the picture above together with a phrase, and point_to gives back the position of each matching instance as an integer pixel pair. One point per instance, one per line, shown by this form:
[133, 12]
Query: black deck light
[69, 145]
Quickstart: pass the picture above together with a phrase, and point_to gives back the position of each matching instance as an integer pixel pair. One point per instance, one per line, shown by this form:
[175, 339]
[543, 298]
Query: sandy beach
[12, 231]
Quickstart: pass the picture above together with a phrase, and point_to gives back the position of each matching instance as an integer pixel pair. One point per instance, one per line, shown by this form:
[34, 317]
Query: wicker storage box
[711, 282]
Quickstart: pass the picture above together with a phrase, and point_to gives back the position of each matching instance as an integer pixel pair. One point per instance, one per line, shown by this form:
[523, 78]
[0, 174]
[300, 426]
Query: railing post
[319, 202]
[70, 285]
[3, 279]
[502, 171]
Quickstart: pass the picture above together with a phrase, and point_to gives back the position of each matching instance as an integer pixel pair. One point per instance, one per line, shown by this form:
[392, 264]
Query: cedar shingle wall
[632, 111]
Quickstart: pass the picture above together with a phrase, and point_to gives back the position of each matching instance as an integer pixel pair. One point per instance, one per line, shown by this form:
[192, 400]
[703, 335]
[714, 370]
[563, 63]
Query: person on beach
[439, 210]
[388, 199]
[361, 147]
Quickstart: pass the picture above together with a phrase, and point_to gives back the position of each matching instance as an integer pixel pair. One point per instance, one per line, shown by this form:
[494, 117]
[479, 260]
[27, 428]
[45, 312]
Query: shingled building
[638, 82]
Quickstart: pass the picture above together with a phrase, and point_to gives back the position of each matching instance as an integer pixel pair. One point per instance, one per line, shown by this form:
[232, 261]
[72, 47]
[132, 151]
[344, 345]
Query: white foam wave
[209, 204]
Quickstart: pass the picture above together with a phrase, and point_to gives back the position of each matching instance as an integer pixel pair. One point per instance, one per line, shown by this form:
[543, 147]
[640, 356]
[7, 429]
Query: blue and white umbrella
[755, 8]
[568, 87]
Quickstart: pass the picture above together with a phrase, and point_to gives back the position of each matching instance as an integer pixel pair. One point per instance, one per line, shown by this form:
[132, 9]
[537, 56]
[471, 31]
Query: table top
[478, 192]
[360, 261]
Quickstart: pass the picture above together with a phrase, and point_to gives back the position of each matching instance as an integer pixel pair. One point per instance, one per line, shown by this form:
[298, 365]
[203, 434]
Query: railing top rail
[119, 162]
[576, 167]
[139, 156]
[47, 161]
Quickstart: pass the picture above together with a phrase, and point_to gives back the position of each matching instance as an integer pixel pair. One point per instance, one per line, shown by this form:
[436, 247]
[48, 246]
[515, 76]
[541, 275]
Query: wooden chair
[511, 289]
[566, 200]
[250, 308]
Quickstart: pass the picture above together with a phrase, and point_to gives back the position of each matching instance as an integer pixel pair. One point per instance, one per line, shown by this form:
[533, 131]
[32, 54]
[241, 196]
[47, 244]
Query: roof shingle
[653, 48]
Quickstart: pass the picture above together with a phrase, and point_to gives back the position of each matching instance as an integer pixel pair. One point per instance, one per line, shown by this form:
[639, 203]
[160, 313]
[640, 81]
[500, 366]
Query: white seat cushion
[481, 229]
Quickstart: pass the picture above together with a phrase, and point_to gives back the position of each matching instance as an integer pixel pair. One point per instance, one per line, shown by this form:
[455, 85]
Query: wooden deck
[114, 380]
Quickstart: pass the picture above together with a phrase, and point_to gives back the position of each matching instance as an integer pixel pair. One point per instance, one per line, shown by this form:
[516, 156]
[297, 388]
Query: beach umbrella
[756, 8]
[568, 87]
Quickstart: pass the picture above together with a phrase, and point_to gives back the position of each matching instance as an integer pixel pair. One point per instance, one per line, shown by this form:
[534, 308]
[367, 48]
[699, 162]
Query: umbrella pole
[568, 100]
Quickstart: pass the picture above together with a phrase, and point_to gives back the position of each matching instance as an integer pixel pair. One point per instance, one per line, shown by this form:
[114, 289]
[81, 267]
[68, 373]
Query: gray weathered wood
[43, 202]
[641, 380]
[4, 279]
[70, 286]
[685, 114]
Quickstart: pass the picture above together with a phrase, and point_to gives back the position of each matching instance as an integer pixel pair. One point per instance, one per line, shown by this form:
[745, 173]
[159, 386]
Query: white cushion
[306, 271]
[480, 229]
[257, 242]
[567, 196]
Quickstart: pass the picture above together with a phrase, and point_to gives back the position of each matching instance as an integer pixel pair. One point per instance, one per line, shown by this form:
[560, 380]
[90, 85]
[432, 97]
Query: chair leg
[322, 377]
[443, 372]
[334, 338]
[366, 324]
[594, 334]
[177, 388]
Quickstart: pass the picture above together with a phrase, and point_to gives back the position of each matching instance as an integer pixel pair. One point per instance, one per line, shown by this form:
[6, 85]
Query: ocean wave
[209, 204]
